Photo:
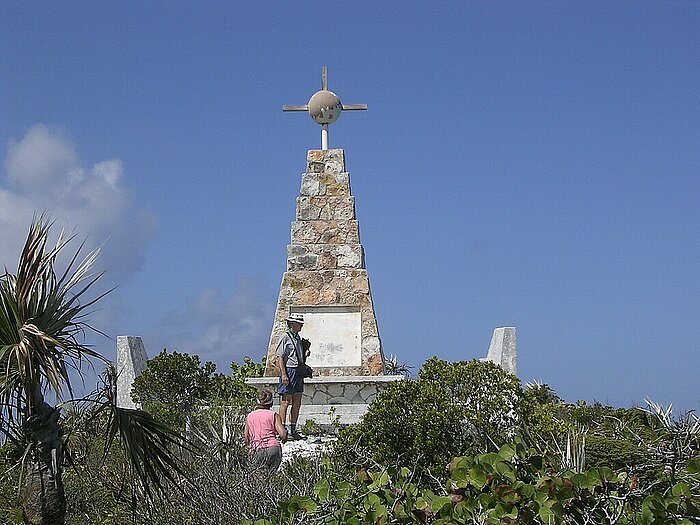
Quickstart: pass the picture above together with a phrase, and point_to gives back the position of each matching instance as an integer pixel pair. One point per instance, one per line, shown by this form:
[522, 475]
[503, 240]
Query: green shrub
[411, 423]
[488, 396]
[514, 485]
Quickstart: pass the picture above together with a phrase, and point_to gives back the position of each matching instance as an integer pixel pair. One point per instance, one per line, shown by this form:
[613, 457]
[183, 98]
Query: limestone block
[307, 210]
[324, 256]
[352, 394]
[329, 295]
[131, 361]
[349, 256]
[503, 350]
[339, 185]
[369, 323]
[312, 186]
[319, 184]
[375, 363]
[307, 296]
[325, 232]
[325, 161]
[325, 208]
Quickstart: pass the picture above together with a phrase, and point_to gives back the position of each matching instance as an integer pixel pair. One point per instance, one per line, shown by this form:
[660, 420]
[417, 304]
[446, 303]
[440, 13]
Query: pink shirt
[261, 429]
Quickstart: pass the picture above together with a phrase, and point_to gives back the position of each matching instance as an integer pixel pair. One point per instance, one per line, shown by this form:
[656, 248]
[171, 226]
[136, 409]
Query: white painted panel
[335, 333]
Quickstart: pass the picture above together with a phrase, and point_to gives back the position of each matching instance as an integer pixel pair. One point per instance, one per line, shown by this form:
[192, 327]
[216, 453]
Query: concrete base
[329, 401]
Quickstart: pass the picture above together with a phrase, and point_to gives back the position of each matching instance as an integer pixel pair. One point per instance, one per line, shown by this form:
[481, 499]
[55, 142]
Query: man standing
[290, 356]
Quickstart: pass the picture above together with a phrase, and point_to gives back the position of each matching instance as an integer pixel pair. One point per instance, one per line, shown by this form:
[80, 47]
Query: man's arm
[282, 370]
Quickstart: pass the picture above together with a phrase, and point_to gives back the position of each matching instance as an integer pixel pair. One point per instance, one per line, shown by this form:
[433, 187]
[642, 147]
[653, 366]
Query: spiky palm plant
[42, 324]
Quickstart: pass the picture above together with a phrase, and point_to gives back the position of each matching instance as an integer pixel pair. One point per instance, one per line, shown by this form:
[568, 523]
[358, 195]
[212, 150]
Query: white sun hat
[296, 318]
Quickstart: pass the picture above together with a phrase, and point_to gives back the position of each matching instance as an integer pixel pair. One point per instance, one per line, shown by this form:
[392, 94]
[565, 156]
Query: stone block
[375, 363]
[325, 161]
[307, 210]
[325, 208]
[324, 256]
[311, 186]
[131, 361]
[320, 184]
[325, 232]
[503, 350]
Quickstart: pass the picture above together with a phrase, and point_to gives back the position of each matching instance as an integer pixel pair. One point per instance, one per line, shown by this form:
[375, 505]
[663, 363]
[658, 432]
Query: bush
[488, 396]
[451, 409]
[514, 485]
[409, 423]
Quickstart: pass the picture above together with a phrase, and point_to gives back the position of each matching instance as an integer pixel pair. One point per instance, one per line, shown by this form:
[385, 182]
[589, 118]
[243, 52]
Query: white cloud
[218, 328]
[43, 173]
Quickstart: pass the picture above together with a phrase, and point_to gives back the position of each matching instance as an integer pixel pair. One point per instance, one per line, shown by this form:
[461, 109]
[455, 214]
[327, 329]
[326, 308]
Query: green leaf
[322, 490]
[306, 504]
[547, 515]
[682, 489]
[507, 452]
[439, 503]
[477, 478]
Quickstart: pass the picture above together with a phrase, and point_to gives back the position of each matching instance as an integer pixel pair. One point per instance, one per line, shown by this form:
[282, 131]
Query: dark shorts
[296, 383]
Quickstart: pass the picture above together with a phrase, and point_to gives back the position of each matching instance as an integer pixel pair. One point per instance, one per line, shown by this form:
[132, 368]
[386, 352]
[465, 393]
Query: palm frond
[41, 324]
[152, 449]
[149, 446]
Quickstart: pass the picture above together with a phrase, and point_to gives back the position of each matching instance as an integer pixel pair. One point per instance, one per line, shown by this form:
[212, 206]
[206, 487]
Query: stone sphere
[324, 107]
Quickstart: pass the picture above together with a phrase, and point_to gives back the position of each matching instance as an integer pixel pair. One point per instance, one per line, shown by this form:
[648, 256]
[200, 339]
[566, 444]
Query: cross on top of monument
[324, 107]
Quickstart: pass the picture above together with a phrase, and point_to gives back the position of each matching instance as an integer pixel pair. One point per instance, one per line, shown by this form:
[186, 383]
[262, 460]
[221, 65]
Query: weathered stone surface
[375, 364]
[325, 208]
[320, 184]
[325, 161]
[503, 350]
[325, 232]
[324, 256]
[131, 361]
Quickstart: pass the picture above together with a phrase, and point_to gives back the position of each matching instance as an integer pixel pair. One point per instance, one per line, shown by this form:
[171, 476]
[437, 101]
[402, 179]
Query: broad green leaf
[547, 515]
[477, 478]
[681, 489]
[507, 452]
[323, 489]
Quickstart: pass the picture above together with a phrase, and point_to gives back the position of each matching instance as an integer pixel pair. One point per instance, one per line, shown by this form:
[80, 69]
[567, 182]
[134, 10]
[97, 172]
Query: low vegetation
[461, 443]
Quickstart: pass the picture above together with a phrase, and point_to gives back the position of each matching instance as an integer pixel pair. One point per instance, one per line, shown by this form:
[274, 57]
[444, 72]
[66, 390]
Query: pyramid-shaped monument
[326, 279]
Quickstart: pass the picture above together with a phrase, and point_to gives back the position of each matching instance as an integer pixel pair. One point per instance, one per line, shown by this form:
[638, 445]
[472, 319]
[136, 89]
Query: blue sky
[527, 164]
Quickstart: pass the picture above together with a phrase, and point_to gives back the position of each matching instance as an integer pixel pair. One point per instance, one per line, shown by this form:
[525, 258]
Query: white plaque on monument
[335, 333]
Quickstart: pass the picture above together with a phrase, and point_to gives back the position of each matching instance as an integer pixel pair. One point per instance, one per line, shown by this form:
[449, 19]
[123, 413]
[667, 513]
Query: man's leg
[284, 403]
[294, 416]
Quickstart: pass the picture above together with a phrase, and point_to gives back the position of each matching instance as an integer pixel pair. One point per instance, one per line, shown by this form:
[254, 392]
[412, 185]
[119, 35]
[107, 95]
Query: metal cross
[324, 107]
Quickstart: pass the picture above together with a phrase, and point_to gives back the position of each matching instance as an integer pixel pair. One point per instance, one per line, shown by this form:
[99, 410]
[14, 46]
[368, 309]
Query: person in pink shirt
[261, 431]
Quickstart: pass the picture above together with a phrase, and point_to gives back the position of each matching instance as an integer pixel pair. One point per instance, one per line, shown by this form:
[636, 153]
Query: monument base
[328, 401]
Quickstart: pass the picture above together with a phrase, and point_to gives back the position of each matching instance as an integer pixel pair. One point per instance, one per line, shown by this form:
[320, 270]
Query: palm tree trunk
[43, 497]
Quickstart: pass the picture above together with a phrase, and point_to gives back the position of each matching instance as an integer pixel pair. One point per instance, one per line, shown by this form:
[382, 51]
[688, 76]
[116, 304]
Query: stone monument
[502, 349]
[326, 281]
[131, 361]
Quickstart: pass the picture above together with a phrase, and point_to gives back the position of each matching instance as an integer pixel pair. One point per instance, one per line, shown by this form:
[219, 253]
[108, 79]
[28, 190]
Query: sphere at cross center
[324, 107]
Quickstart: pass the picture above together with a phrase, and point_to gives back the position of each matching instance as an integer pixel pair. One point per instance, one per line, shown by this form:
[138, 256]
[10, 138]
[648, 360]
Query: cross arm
[298, 107]
[354, 107]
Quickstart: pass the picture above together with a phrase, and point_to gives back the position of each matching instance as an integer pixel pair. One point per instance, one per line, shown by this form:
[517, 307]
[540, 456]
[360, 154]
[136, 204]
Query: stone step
[324, 256]
[325, 208]
[326, 232]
